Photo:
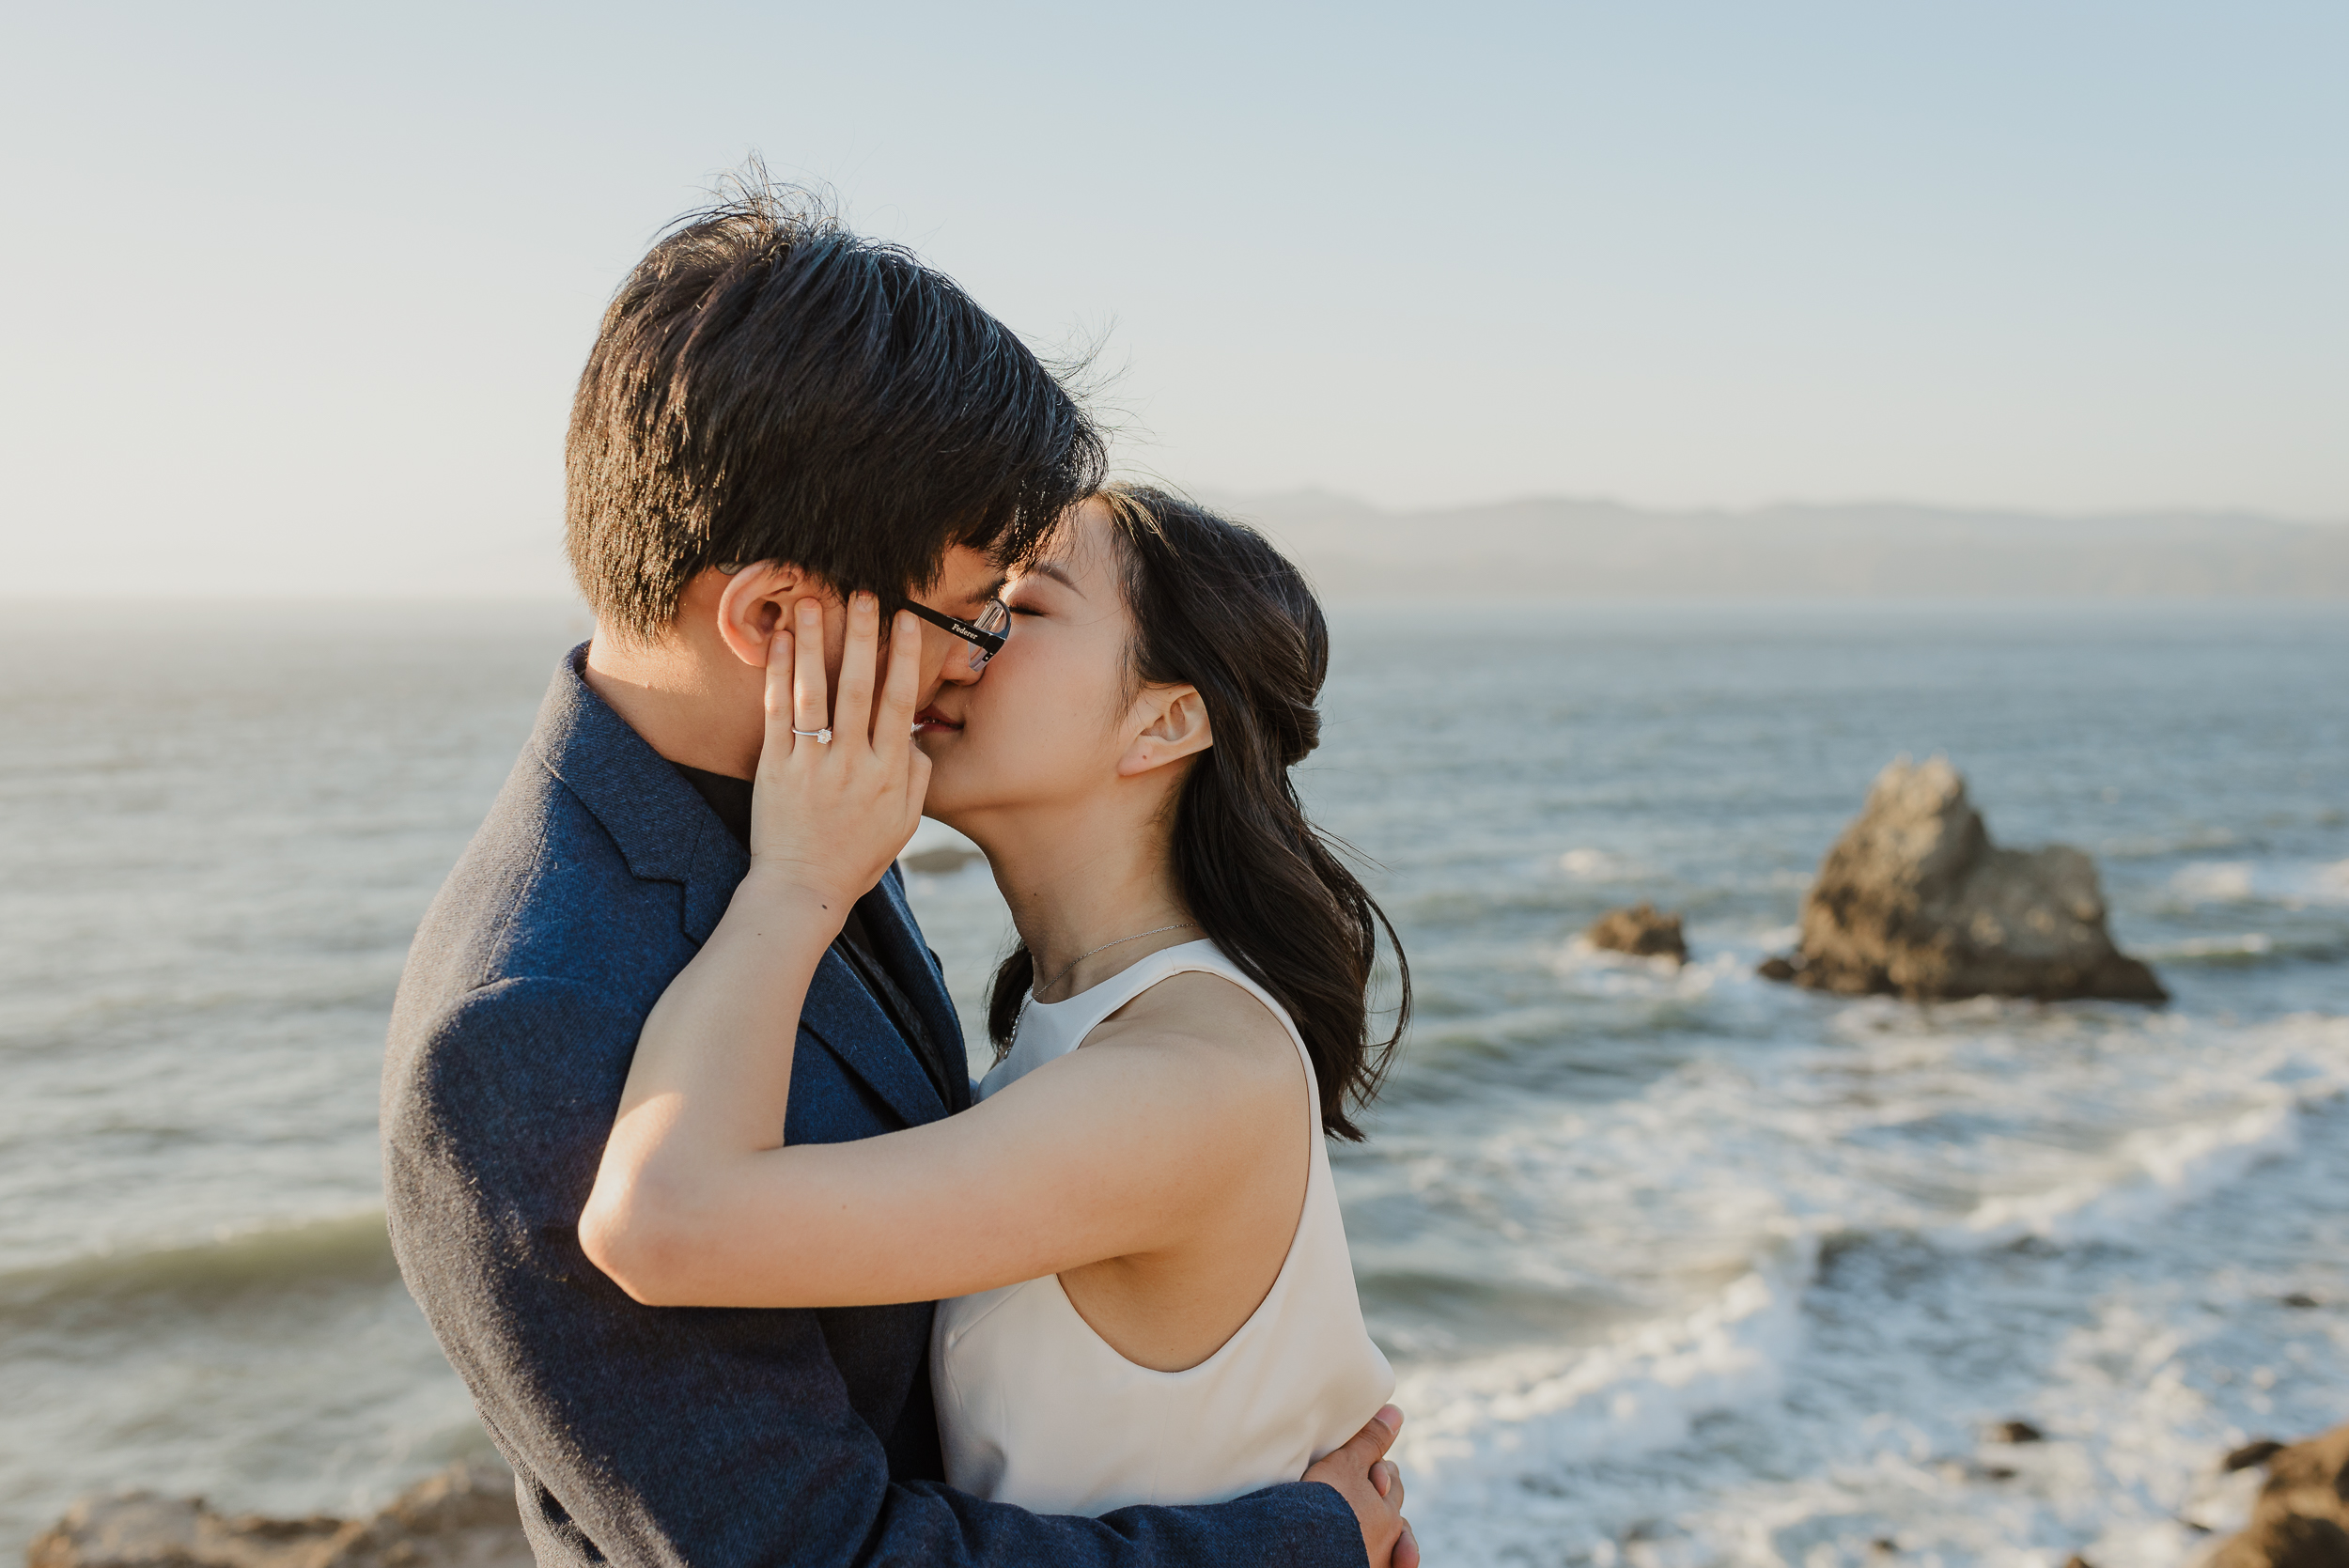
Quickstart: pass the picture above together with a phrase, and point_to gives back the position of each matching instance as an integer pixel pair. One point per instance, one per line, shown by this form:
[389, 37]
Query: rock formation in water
[1642, 930]
[2302, 1517]
[463, 1518]
[1914, 900]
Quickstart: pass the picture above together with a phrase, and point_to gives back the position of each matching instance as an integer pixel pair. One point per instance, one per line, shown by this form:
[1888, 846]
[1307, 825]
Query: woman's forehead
[1077, 553]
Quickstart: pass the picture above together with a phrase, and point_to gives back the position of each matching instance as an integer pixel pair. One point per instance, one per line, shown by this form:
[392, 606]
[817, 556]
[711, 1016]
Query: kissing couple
[682, 1157]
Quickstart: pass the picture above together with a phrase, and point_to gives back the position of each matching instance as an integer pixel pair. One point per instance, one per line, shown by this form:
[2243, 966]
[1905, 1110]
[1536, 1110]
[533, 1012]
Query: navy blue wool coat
[714, 1437]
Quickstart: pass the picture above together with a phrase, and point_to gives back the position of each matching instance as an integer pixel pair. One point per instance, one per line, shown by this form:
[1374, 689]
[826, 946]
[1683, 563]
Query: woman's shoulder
[1207, 1015]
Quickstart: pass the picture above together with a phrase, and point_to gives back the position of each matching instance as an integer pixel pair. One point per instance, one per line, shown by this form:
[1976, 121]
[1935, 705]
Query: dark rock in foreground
[2302, 1517]
[1642, 930]
[1914, 900]
[463, 1518]
[2285, 1541]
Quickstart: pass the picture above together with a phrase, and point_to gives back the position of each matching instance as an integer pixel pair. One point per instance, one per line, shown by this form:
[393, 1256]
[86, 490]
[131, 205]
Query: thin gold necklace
[1178, 925]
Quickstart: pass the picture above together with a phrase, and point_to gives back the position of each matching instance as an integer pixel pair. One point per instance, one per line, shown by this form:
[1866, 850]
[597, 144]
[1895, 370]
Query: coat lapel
[663, 830]
[899, 938]
[842, 1014]
[667, 833]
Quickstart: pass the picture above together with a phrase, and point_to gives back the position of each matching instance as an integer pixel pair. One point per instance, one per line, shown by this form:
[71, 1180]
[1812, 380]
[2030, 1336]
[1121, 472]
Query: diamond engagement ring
[821, 738]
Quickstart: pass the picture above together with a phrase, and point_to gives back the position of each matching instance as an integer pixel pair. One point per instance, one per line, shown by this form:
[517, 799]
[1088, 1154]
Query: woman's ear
[754, 601]
[1174, 725]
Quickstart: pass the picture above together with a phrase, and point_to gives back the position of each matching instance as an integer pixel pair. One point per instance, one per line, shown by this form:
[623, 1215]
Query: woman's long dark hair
[1216, 607]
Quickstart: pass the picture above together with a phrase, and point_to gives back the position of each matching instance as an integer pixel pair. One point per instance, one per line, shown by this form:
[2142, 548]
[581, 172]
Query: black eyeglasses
[985, 635]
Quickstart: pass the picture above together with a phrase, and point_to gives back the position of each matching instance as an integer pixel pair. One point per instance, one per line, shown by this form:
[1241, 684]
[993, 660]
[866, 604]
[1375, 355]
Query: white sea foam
[1601, 865]
[1780, 1416]
[2151, 1172]
[2293, 884]
[1599, 971]
[2250, 944]
[1478, 1430]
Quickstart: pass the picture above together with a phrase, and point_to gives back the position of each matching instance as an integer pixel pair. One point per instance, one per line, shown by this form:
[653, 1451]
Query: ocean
[1677, 1267]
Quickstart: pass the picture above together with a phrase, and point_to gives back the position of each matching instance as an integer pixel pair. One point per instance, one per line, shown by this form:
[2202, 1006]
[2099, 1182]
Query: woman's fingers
[852, 709]
[894, 720]
[811, 706]
[777, 745]
[780, 644]
[840, 798]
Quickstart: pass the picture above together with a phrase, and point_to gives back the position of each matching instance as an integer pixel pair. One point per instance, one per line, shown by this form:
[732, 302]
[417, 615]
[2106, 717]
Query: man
[773, 408]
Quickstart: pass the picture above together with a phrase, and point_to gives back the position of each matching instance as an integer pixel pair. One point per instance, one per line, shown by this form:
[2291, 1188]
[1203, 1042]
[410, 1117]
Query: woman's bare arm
[1130, 1146]
[1121, 1149]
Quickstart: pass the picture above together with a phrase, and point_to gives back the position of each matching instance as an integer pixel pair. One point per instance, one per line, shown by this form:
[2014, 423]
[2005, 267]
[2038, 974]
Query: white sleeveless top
[1035, 1409]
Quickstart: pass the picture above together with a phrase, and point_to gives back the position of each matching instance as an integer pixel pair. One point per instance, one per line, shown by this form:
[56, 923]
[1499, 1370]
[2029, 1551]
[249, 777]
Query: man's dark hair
[767, 386]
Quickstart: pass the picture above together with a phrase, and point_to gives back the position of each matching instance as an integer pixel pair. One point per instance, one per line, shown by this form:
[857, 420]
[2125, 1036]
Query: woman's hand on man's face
[840, 783]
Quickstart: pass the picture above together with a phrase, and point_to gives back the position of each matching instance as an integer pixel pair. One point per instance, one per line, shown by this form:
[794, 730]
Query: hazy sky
[300, 291]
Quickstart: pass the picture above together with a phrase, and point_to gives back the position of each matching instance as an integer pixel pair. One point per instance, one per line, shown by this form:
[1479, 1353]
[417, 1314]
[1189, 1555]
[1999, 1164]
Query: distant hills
[1561, 548]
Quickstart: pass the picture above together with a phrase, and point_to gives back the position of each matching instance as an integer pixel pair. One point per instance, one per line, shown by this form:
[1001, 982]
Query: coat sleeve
[660, 1437]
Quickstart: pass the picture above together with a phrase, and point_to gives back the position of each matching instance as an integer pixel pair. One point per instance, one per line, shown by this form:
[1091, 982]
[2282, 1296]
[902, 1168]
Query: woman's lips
[930, 722]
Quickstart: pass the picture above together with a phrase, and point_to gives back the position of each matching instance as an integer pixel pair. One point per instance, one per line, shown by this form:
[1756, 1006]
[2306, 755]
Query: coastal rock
[1642, 930]
[2284, 1541]
[461, 1517]
[1914, 900]
[2302, 1517]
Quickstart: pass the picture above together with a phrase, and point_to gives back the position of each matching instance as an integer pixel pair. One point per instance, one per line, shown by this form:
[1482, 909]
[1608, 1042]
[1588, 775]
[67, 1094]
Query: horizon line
[1955, 509]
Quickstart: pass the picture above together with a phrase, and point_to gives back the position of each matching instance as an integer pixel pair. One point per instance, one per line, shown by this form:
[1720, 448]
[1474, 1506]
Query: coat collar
[898, 936]
[667, 832]
[664, 832]
[840, 1012]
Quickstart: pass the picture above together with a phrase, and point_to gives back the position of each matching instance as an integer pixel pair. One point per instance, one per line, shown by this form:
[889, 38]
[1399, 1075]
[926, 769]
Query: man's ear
[1175, 726]
[758, 597]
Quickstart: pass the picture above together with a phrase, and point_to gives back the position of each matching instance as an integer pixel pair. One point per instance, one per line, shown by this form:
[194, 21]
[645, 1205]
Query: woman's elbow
[633, 1235]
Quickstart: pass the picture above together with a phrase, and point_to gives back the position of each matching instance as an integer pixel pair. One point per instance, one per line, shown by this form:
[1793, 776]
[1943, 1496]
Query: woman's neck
[1078, 880]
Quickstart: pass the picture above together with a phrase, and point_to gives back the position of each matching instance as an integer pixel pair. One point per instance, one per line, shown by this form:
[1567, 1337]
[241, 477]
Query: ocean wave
[2155, 846]
[1605, 972]
[2290, 884]
[2250, 947]
[1854, 1338]
[352, 1249]
[1476, 1431]
[1585, 865]
[2205, 1118]
[2153, 1172]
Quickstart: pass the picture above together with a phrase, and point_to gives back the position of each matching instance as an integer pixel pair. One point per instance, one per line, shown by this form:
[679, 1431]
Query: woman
[1151, 1300]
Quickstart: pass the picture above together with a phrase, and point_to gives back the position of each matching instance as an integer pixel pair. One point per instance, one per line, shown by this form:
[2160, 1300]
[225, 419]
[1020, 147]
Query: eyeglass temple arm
[991, 640]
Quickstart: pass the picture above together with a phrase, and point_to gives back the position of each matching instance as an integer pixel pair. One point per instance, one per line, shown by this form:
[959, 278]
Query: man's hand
[1372, 1484]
